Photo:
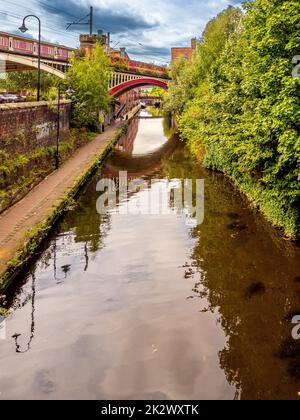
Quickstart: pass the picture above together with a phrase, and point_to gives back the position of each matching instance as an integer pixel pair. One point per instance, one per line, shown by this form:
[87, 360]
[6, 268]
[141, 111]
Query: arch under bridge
[17, 62]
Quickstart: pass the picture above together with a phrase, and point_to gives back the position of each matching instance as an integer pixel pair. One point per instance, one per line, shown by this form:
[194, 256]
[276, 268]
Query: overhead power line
[80, 22]
[74, 34]
[27, 10]
[18, 17]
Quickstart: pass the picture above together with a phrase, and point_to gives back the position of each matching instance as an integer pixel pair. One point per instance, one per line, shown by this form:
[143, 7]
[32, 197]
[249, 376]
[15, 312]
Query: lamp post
[58, 127]
[24, 29]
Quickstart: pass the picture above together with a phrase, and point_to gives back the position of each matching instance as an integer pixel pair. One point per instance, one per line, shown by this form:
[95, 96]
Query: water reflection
[145, 156]
[147, 307]
[250, 283]
[16, 336]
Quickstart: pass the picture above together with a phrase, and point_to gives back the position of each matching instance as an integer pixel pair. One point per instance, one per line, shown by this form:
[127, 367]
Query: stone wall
[28, 134]
[26, 127]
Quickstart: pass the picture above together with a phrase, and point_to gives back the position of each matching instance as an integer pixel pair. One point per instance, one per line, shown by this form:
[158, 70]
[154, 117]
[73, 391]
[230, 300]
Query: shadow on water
[148, 307]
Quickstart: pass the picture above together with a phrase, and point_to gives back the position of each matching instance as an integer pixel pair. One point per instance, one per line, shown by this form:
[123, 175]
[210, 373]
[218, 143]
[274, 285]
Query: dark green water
[149, 306]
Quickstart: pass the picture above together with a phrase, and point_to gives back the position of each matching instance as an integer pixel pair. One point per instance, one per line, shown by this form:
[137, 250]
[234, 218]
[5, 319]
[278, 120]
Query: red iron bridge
[18, 53]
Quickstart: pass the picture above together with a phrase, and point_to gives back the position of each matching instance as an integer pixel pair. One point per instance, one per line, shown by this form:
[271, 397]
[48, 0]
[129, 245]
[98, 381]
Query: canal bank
[24, 225]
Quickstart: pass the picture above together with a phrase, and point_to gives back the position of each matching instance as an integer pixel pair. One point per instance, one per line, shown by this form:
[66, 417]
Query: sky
[147, 28]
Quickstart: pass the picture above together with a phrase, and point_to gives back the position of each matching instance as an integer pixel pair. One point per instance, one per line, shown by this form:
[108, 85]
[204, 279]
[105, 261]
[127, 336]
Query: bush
[242, 108]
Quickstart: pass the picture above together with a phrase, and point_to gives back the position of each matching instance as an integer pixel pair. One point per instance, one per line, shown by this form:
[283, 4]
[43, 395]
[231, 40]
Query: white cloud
[147, 28]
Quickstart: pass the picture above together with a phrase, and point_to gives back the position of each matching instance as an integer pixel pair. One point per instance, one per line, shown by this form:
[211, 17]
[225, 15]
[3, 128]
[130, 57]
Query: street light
[69, 92]
[24, 29]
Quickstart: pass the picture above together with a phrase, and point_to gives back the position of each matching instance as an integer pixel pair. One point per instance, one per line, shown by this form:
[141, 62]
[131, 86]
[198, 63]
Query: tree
[179, 91]
[243, 113]
[89, 76]
[26, 81]
[157, 91]
[188, 75]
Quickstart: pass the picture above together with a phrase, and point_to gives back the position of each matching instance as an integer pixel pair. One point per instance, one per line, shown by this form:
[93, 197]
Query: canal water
[156, 306]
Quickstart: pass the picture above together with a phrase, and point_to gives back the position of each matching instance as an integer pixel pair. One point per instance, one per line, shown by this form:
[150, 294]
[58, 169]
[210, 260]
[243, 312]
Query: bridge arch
[18, 63]
[131, 84]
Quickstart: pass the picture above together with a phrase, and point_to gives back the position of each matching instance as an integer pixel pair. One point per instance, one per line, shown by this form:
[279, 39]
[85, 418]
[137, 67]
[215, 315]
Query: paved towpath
[38, 204]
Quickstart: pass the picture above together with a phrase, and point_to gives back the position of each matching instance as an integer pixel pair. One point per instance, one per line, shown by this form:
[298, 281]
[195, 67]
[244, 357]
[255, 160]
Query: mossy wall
[28, 146]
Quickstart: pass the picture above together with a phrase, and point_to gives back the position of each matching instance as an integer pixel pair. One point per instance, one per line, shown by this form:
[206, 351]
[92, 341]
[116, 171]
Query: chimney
[194, 43]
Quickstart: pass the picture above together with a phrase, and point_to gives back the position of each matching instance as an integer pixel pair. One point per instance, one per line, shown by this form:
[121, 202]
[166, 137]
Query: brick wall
[26, 132]
[26, 127]
[184, 52]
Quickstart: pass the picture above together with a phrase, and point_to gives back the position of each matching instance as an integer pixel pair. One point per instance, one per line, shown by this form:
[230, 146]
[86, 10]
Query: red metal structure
[131, 84]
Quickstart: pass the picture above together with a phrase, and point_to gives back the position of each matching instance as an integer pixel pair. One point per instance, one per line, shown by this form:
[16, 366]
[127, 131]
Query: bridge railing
[120, 78]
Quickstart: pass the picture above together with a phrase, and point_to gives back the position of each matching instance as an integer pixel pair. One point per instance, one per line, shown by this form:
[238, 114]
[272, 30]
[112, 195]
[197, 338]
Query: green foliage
[121, 65]
[27, 81]
[3, 311]
[89, 78]
[20, 173]
[157, 91]
[180, 88]
[155, 112]
[243, 112]
[3, 156]
[188, 75]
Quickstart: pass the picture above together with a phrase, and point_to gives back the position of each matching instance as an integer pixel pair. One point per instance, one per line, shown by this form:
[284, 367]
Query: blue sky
[147, 28]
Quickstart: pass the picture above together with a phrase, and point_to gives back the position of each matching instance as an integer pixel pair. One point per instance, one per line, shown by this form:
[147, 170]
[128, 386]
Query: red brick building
[87, 42]
[187, 52]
